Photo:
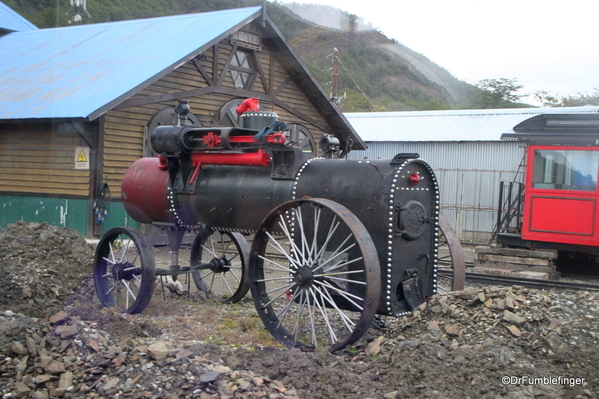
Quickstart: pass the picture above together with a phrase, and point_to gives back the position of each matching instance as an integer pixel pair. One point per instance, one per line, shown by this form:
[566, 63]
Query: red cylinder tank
[144, 191]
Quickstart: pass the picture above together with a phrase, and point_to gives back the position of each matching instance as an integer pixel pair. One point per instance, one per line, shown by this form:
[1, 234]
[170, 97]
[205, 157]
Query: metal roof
[452, 125]
[12, 21]
[82, 71]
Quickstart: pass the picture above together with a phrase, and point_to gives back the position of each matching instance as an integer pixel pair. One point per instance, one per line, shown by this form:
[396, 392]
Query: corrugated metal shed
[12, 21]
[80, 72]
[469, 174]
[453, 125]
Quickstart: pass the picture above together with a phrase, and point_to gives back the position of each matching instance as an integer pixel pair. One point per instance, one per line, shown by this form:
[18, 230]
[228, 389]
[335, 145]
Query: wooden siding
[39, 159]
[125, 126]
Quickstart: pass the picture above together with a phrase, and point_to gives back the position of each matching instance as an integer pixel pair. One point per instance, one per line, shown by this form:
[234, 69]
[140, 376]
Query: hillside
[376, 73]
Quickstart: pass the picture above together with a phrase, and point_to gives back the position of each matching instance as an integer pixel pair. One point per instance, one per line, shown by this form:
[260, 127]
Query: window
[565, 169]
[242, 70]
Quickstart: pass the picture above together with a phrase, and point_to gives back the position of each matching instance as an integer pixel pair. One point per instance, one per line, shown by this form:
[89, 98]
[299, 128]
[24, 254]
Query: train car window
[565, 169]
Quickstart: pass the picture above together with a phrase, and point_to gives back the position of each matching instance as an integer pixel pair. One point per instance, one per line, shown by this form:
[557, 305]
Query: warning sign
[82, 158]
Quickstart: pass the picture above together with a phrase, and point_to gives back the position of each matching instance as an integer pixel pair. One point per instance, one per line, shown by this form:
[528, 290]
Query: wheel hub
[124, 271]
[303, 276]
[220, 265]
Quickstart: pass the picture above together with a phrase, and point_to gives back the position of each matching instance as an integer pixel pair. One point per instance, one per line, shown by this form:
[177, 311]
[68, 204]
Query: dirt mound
[483, 342]
[40, 266]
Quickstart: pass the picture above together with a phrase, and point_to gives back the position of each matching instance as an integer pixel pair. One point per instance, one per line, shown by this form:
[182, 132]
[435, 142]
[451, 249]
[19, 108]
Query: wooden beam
[301, 115]
[202, 71]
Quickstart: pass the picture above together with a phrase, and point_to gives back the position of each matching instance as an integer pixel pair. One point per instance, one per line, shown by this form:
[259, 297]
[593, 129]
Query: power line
[358, 87]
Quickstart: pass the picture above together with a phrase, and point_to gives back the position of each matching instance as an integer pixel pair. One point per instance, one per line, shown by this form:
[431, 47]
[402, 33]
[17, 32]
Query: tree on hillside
[581, 99]
[497, 93]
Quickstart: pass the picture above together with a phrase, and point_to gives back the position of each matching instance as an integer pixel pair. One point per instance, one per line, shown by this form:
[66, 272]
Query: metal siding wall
[469, 174]
[63, 212]
[118, 217]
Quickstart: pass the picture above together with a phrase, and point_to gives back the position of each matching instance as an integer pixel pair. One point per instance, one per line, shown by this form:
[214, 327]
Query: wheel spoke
[124, 270]
[325, 289]
[227, 253]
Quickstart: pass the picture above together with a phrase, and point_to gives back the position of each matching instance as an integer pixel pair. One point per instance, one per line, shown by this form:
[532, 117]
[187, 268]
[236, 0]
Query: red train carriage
[557, 206]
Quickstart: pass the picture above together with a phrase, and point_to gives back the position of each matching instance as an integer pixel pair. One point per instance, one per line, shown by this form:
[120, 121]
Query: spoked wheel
[314, 275]
[228, 254]
[452, 265]
[124, 270]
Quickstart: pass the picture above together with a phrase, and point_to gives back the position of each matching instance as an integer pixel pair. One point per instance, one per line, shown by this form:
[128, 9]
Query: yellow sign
[82, 158]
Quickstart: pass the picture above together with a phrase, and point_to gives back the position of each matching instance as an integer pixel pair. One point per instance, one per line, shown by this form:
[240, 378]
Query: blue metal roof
[11, 20]
[78, 71]
[452, 125]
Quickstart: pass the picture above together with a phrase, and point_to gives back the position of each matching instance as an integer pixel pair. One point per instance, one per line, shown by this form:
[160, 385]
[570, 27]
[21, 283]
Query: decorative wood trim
[226, 67]
[202, 71]
[282, 86]
[215, 52]
[301, 115]
[260, 72]
[272, 66]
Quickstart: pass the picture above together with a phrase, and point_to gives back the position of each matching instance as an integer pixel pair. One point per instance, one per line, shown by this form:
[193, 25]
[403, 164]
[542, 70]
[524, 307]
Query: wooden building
[77, 103]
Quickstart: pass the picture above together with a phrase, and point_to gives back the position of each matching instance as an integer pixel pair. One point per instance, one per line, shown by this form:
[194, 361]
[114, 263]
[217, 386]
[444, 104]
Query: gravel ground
[483, 342]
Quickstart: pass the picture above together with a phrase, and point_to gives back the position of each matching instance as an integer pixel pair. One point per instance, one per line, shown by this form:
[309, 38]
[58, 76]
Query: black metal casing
[401, 218]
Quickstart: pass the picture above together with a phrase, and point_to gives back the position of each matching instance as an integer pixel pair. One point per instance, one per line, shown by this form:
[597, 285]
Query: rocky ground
[483, 342]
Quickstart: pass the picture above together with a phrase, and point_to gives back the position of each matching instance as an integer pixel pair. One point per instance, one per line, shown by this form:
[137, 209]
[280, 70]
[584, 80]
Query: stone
[512, 317]
[43, 378]
[18, 348]
[55, 367]
[159, 350]
[210, 376]
[452, 329]
[22, 364]
[31, 346]
[22, 389]
[374, 347]
[65, 381]
[514, 330]
[59, 318]
[67, 331]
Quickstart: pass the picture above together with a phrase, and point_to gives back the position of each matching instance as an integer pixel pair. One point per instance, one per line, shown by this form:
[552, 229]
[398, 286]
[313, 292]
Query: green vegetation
[376, 73]
[579, 100]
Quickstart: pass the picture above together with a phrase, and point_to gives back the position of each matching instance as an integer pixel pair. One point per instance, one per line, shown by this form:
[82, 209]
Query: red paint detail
[414, 179]
[248, 105]
[162, 165]
[143, 191]
[563, 215]
[259, 158]
[288, 294]
[276, 138]
[195, 173]
[211, 140]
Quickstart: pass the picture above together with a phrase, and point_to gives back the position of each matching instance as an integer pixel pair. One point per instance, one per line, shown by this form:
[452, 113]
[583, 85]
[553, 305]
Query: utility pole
[335, 74]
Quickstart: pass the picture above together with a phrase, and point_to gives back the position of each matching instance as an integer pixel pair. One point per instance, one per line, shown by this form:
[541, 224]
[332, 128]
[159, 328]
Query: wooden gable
[207, 82]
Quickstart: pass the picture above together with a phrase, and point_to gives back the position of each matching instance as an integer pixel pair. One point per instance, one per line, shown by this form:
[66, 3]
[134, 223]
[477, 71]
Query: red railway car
[557, 207]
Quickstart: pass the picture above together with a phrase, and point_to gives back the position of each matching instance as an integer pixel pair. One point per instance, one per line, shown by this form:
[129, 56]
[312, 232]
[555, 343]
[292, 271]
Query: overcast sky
[545, 45]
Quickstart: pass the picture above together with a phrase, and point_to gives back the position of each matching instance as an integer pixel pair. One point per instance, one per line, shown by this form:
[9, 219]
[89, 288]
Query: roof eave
[110, 105]
[308, 83]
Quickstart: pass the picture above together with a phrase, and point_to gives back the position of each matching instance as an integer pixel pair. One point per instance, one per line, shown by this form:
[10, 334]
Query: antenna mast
[79, 10]
[335, 74]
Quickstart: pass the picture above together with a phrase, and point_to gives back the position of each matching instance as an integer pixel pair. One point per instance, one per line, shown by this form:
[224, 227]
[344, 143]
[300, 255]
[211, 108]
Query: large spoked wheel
[228, 253]
[124, 270]
[314, 275]
[452, 264]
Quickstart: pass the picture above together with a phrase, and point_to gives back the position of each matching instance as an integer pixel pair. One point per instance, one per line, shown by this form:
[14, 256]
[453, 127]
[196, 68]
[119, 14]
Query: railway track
[525, 282]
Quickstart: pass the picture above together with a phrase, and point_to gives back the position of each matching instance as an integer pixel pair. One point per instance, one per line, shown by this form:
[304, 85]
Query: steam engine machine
[334, 242]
